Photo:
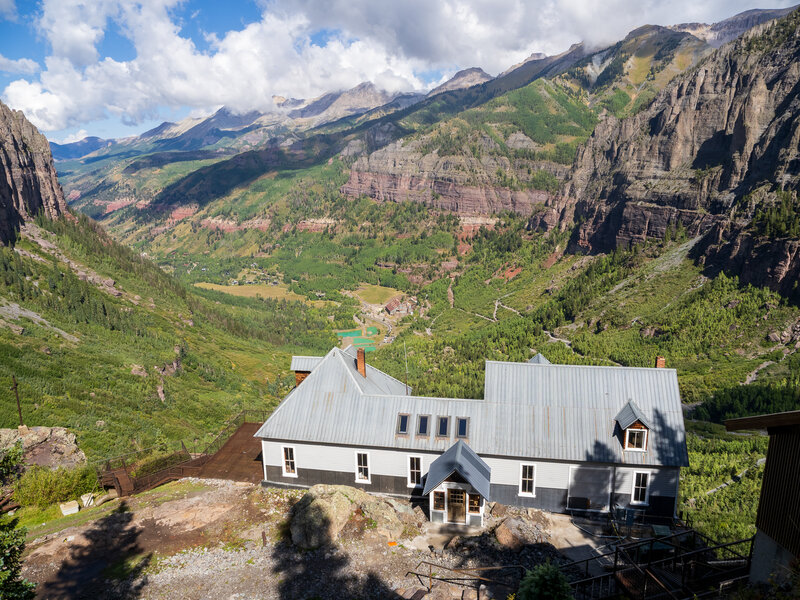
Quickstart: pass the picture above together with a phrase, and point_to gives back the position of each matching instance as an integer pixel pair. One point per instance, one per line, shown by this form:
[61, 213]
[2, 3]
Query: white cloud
[22, 65]
[385, 42]
[8, 9]
[74, 137]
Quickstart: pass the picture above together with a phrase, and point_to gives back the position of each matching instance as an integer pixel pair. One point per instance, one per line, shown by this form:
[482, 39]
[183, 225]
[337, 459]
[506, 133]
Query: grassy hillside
[103, 342]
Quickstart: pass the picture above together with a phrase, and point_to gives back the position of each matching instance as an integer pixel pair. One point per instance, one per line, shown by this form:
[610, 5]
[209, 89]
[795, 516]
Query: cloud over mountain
[395, 45]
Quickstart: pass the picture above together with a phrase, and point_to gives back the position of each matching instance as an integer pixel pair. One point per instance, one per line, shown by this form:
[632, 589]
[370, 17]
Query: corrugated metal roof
[462, 459]
[629, 414]
[538, 359]
[305, 363]
[556, 412]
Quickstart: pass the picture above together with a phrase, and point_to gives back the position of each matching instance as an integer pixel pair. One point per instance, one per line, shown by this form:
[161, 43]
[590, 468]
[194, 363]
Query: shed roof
[305, 363]
[783, 419]
[556, 412]
[461, 459]
[629, 414]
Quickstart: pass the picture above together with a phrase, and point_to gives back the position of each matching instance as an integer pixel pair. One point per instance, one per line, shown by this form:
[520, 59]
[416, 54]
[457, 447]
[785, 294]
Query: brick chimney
[661, 363]
[361, 362]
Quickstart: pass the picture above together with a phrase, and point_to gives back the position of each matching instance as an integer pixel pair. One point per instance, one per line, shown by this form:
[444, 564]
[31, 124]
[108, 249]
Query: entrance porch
[457, 486]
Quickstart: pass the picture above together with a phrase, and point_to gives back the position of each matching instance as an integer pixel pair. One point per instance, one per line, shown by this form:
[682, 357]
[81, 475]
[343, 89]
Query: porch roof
[462, 459]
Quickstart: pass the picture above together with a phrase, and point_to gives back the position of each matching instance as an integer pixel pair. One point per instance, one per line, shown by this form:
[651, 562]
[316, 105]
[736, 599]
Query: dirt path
[752, 376]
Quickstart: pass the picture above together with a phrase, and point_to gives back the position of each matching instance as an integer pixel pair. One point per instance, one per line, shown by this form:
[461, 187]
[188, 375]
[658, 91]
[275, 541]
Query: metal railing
[191, 461]
[466, 577]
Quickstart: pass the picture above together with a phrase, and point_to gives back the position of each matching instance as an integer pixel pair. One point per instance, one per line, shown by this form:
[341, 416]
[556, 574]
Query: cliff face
[28, 181]
[402, 172]
[714, 135]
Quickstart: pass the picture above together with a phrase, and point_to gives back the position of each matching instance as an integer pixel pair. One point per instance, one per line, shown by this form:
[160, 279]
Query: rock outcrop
[463, 79]
[322, 513]
[725, 129]
[403, 172]
[28, 181]
[51, 447]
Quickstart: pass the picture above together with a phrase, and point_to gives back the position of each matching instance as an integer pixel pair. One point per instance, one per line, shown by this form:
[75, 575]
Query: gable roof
[461, 459]
[629, 414]
[538, 359]
[532, 411]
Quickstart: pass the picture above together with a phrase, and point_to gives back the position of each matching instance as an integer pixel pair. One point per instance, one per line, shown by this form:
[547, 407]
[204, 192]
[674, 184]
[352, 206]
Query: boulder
[51, 447]
[511, 534]
[321, 514]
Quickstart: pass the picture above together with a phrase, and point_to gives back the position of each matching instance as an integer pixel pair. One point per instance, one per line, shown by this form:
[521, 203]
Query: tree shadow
[325, 572]
[106, 566]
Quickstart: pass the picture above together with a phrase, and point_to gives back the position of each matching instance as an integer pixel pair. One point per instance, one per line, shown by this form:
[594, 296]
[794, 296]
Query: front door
[456, 506]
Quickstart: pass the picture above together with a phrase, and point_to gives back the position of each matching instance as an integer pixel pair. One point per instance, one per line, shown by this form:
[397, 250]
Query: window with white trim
[443, 427]
[636, 439]
[641, 488]
[414, 470]
[362, 467]
[402, 424]
[474, 504]
[462, 427]
[527, 480]
[289, 467]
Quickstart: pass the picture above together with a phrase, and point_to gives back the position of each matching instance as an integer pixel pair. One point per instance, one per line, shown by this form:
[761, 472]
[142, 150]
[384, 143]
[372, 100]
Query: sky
[114, 68]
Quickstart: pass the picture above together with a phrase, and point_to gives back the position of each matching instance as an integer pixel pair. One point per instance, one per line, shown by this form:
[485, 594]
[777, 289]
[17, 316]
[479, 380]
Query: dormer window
[634, 426]
[636, 439]
[402, 424]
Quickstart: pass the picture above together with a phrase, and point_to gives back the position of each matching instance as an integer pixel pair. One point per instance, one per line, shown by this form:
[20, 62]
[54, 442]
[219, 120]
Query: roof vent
[361, 362]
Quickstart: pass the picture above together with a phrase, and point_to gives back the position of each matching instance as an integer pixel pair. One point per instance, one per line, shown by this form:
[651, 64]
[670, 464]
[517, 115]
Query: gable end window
[288, 466]
[636, 439]
[402, 424]
[423, 425]
[527, 480]
[443, 427]
[414, 470]
[462, 427]
[641, 488]
[362, 467]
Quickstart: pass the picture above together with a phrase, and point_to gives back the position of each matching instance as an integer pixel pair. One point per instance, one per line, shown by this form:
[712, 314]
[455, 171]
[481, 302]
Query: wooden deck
[239, 459]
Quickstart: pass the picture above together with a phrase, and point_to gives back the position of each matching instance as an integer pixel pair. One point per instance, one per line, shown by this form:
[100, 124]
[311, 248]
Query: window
[362, 467]
[414, 470]
[462, 427]
[443, 428]
[402, 424]
[423, 423]
[641, 485]
[289, 467]
[636, 439]
[474, 506]
[438, 500]
[527, 480]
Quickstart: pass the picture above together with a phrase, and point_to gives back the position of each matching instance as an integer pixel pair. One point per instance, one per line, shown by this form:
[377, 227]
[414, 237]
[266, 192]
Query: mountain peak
[463, 79]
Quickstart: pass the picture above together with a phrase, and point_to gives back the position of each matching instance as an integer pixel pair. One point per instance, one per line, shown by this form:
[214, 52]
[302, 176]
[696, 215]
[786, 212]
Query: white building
[554, 437]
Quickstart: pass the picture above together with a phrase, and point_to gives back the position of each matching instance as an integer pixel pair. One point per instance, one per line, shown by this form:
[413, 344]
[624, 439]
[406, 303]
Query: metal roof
[555, 412]
[305, 363]
[629, 414]
[538, 359]
[461, 459]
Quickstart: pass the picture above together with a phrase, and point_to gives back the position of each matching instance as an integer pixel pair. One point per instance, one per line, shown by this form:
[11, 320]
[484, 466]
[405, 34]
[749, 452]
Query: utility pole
[16, 393]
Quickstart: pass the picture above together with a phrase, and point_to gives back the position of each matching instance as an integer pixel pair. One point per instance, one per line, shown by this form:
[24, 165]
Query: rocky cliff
[28, 182]
[716, 134]
[403, 171]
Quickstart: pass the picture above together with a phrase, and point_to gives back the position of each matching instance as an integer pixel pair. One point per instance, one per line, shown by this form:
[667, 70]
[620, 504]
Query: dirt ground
[198, 539]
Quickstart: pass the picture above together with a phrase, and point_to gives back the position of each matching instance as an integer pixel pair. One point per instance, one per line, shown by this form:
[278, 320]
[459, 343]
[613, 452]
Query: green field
[376, 294]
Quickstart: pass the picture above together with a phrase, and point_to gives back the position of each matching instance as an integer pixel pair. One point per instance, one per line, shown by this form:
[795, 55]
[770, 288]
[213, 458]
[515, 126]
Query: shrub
[12, 543]
[10, 463]
[544, 582]
[41, 487]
